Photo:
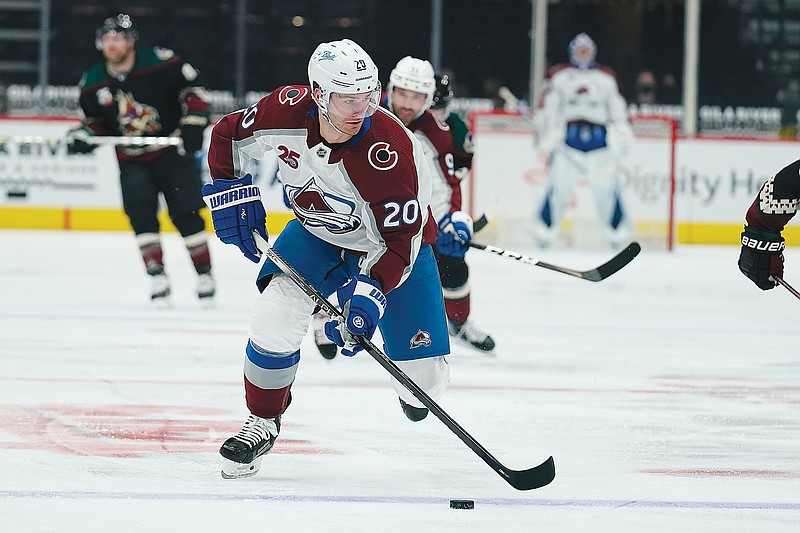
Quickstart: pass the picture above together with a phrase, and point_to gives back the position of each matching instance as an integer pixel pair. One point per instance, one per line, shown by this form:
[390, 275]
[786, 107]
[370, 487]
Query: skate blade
[207, 302]
[161, 303]
[234, 470]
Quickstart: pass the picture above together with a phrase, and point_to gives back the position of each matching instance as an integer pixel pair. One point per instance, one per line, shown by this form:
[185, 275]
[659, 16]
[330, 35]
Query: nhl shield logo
[421, 338]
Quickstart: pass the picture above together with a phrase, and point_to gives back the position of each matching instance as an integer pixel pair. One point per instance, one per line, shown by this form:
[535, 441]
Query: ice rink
[669, 396]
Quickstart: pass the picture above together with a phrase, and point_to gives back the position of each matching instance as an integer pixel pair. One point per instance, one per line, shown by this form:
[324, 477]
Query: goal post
[509, 178]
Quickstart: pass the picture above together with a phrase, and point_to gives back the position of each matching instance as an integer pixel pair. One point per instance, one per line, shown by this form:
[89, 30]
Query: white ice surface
[669, 396]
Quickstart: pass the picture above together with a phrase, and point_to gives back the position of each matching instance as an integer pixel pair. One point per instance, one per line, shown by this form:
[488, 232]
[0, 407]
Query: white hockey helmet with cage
[343, 67]
[415, 75]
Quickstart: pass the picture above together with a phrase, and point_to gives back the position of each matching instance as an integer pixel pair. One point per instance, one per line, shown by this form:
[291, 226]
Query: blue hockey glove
[363, 304]
[236, 211]
[455, 234]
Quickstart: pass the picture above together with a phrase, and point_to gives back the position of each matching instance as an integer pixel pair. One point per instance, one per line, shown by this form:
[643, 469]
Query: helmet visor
[354, 106]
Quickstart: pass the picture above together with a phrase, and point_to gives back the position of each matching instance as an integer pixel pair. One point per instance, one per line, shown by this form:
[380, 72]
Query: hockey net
[509, 177]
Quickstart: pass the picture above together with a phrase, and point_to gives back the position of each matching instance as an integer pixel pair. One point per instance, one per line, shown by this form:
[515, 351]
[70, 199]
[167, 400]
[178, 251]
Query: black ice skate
[469, 334]
[325, 346]
[244, 451]
[415, 414]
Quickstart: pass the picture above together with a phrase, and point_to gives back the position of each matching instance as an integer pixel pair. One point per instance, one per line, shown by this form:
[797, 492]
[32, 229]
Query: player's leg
[278, 324]
[605, 186]
[180, 182]
[454, 276]
[563, 172]
[414, 330]
[140, 202]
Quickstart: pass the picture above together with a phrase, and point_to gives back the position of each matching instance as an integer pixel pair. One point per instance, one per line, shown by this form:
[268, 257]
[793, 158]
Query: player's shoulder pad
[285, 107]
[388, 145]
[437, 131]
[149, 57]
[292, 96]
[606, 70]
[455, 121]
[555, 69]
[94, 75]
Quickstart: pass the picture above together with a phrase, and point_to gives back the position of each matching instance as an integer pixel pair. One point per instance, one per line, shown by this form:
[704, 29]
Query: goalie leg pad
[562, 174]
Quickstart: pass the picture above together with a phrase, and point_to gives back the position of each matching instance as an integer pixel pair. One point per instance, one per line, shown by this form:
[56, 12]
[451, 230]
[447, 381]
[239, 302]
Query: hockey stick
[480, 223]
[788, 287]
[98, 140]
[532, 478]
[600, 273]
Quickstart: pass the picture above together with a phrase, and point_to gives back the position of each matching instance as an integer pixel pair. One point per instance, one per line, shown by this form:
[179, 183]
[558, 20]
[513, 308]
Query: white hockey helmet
[582, 42]
[343, 67]
[415, 75]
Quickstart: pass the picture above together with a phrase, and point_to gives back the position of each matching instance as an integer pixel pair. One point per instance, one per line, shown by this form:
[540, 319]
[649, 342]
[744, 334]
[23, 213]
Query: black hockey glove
[76, 141]
[761, 257]
[192, 137]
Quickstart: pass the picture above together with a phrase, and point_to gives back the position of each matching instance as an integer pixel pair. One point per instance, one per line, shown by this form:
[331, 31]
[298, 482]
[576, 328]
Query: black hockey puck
[462, 504]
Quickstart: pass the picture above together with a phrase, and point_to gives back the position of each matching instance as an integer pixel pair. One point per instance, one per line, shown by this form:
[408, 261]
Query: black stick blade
[532, 478]
[615, 264]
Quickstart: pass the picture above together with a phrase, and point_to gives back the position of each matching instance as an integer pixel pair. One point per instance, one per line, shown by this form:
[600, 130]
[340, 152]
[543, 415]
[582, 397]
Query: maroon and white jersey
[370, 195]
[777, 201]
[437, 141]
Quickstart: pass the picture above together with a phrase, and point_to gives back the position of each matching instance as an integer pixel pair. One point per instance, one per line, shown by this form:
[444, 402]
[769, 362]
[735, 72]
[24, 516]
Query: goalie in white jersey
[360, 189]
[583, 128]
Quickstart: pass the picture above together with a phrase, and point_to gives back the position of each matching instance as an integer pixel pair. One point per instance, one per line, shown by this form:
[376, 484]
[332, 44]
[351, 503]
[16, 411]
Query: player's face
[407, 104]
[347, 111]
[116, 47]
[583, 55]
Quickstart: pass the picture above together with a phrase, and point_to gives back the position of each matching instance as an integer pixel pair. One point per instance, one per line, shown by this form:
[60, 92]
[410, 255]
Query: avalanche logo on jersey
[421, 338]
[314, 207]
[292, 95]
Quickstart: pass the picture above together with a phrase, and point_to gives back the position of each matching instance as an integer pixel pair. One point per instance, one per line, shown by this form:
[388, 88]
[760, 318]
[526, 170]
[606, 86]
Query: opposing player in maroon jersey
[411, 90]
[360, 189]
[761, 257]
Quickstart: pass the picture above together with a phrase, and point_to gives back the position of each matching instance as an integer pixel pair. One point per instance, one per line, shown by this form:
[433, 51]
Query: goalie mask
[121, 24]
[582, 51]
[344, 68]
[415, 75]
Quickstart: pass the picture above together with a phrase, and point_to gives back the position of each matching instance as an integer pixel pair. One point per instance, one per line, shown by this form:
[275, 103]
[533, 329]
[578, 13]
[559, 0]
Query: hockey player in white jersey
[411, 94]
[360, 190]
[584, 130]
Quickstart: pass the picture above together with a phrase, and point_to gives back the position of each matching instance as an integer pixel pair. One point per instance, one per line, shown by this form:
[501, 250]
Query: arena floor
[669, 396]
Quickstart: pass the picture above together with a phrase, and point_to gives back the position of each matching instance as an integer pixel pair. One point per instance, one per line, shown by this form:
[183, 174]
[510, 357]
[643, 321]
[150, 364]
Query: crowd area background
[749, 64]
